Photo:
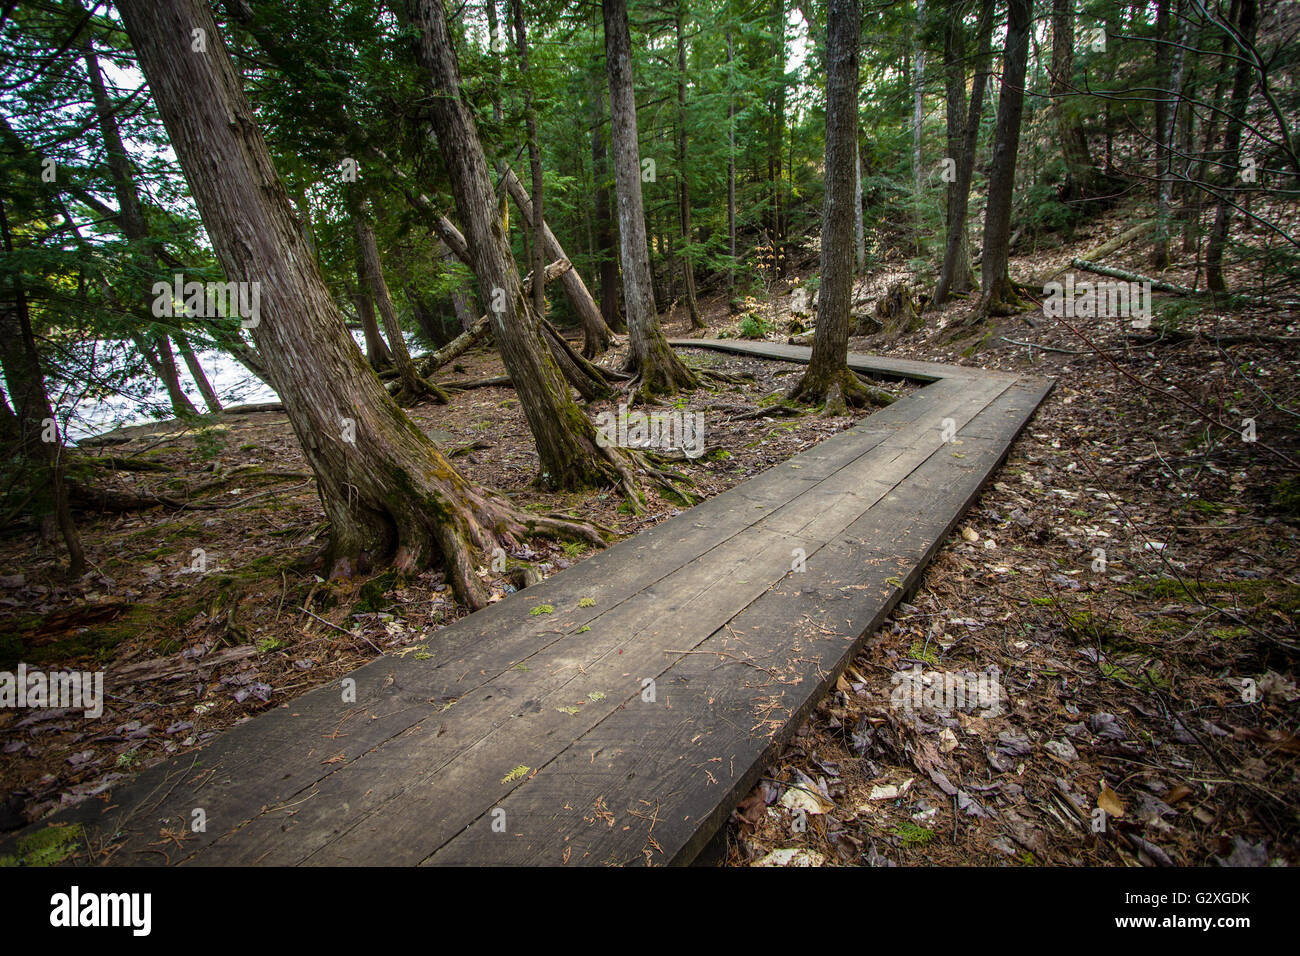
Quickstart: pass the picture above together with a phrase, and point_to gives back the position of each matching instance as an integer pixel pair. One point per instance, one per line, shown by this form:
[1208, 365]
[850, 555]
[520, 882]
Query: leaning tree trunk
[590, 381]
[38, 438]
[385, 488]
[953, 275]
[596, 332]
[414, 387]
[566, 439]
[209, 394]
[828, 368]
[377, 353]
[649, 357]
[171, 379]
[134, 227]
[999, 296]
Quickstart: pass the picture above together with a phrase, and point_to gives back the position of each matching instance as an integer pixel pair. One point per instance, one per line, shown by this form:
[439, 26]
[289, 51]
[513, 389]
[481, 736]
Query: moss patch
[48, 847]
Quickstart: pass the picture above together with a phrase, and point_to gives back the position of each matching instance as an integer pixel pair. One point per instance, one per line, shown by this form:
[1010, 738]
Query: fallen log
[1118, 242]
[486, 382]
[254, 408]
[125, 464]
[178, 665]
[1106, 248]
[1101, 270]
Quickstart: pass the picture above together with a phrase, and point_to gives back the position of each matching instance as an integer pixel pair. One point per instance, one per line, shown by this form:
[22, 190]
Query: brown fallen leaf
[751, 809]
[1180, 792]
[1109, 801]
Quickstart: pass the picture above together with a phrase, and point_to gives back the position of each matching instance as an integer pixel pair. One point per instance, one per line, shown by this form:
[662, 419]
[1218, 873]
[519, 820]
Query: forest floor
[1158, 686]
[1149, 701]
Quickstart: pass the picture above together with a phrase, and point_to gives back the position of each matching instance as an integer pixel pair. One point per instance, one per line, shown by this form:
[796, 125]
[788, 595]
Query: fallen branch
[479, 445]
[1172, 337]
[426, 365]
[178, 664]
[126, 464]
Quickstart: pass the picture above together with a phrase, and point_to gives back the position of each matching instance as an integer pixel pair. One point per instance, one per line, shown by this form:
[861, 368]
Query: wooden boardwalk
[624, 726]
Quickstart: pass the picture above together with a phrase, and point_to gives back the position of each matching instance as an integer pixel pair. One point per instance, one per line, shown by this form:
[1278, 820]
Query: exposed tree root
[465, 532]
[658, 372]
[815, 389]
[411, 390]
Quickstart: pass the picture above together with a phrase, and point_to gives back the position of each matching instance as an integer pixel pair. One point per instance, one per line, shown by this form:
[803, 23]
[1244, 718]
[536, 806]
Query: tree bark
[209, 394]
[182, 407]
[731, 169]
[386, 489]
[999, 297]
[953, 275]
[954, 74]
[606, 250]
[649, 356]
[1165, 188]
[537, 262]
[1242, 82]
[776, 131]
[1080, 174]
[131, 218]
[683, 178]
[462, 298]
[918, 117]
[377, 353]
[21, 363]
[828, 366]
[596, 332]
[428, 364]
[859, 226]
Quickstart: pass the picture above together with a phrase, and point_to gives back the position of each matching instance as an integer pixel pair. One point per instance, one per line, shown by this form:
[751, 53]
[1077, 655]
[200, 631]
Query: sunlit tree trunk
[649, 356]
[828, 366]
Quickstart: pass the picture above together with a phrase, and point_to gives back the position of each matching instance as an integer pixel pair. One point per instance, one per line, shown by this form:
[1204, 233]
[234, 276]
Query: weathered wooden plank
[875, 365]
[393, 694]
[680, 765]
[399, 774]
[751, 564]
